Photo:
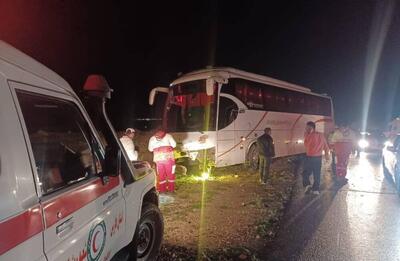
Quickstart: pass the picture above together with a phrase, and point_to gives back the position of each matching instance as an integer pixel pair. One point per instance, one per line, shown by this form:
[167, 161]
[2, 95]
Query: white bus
[217, 114]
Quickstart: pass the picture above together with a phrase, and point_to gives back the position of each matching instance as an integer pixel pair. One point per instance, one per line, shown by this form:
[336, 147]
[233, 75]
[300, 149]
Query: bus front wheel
[252, 157]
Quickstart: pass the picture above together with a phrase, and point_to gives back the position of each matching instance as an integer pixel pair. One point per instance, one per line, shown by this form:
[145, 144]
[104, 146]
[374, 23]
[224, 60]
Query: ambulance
[67, 189]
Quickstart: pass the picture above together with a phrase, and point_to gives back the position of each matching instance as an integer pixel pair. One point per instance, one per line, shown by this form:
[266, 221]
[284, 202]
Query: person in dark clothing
[266, 151]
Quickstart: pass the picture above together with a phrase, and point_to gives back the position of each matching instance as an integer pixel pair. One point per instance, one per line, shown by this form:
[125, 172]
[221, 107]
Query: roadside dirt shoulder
[227, 217]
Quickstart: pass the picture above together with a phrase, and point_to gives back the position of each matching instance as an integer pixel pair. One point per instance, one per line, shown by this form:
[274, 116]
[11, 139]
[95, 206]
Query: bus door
[226, 136]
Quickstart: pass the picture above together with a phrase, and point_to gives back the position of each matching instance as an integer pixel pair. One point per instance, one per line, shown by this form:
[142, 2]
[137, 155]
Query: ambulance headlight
[363, 143]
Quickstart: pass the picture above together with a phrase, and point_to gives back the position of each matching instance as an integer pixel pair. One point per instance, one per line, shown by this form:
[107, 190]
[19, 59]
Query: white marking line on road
[366, 191]
[303, 209]
[338, 240]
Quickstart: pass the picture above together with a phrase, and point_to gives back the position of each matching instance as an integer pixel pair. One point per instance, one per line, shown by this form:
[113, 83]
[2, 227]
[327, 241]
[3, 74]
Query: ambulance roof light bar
[97, 85]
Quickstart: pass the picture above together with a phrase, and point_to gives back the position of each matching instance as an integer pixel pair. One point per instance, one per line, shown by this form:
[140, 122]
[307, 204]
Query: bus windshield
[189, 108]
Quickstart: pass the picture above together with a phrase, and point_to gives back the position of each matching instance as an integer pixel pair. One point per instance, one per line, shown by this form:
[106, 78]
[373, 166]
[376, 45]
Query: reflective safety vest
[163, 153]
[163, 149]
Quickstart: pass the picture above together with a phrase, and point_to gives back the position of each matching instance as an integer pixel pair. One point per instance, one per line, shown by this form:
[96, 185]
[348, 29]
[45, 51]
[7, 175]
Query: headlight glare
[363, 143]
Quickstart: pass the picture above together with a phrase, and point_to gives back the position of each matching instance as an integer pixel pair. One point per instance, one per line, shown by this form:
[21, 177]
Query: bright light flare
[381, 21]
[363, 143]
[388, 143]
[204, 176]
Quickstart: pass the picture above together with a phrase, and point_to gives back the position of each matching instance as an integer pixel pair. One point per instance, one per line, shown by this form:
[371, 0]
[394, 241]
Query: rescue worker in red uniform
[343, 141]
[162, 145]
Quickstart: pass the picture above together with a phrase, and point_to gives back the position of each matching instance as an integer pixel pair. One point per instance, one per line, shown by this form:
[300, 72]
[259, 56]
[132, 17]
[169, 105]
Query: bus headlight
[363, 143]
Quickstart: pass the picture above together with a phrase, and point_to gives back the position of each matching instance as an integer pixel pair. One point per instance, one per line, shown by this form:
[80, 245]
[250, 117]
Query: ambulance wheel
[252, 157]
[149, 234]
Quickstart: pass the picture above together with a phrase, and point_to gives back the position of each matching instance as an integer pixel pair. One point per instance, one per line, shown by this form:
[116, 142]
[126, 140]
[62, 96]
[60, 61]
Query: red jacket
[315, 143]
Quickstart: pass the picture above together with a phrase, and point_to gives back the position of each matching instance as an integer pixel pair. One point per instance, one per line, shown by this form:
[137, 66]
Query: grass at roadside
[228, 217]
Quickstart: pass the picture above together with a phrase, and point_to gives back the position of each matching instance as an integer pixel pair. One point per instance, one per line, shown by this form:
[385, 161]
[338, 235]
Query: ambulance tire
[252, 157]
[149, 234]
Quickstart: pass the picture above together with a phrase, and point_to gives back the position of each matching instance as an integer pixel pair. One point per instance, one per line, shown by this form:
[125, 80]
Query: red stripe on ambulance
[66, 204]
[20, 228]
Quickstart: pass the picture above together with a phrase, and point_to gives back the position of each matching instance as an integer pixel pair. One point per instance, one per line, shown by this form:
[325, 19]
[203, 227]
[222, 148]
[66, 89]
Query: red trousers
[342, 151]
[166, 175]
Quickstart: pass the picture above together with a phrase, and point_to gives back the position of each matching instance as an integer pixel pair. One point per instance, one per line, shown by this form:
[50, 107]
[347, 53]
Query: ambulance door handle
[65, 227]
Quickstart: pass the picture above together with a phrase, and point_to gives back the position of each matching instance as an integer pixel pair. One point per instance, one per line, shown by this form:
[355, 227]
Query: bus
[217, 114]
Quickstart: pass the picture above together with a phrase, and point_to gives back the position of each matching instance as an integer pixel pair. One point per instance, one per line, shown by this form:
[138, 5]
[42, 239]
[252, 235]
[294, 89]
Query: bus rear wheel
[252, 157]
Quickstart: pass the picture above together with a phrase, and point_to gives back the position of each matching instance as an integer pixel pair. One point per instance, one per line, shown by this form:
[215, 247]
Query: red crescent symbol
[94, 242]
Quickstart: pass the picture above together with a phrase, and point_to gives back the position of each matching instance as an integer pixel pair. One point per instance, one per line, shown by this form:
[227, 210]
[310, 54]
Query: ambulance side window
[61, 141]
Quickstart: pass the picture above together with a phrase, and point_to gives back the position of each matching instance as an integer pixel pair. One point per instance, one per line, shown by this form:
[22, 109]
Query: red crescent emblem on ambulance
[94, 242]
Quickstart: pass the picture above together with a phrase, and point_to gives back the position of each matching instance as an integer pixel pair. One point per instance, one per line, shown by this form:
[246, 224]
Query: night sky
[324, 45]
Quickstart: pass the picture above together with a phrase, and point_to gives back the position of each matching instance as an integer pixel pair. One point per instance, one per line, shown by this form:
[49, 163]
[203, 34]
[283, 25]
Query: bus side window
[326, 106]
[268, 98]
[227, 112]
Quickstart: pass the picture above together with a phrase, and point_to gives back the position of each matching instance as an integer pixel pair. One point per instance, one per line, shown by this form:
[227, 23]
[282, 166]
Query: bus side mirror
[210, 83]
[153, 93]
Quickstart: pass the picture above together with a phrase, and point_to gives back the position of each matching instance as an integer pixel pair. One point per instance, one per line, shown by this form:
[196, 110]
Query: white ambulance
[67, 190]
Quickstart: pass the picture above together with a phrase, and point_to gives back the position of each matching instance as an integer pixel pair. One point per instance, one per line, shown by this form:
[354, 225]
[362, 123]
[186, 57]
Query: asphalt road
[359, 221]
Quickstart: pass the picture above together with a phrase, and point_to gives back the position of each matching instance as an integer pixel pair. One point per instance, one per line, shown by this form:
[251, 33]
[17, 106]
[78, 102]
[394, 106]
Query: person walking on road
[343, 140]
[162, 145]
[266, 151]
[129, 145]
[315, 143]
[331, 148]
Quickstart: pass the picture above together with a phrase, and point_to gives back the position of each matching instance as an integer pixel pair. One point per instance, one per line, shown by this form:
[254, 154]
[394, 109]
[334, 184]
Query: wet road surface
[359, 221]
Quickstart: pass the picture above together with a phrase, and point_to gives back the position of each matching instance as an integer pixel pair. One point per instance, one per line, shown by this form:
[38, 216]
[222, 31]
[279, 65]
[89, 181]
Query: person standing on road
[162, 145]
[343, 140]
[330, 144]
[266, 151]
[129, 145]
[315, 143]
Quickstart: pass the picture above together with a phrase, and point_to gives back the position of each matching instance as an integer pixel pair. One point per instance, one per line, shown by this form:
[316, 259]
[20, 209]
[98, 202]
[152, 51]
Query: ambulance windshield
[190, 108]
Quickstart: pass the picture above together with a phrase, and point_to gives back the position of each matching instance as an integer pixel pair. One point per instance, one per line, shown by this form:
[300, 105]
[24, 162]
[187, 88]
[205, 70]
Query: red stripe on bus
[248, 135]
[68, 203]
[20, 228]
[296, 121]
[324, 120]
